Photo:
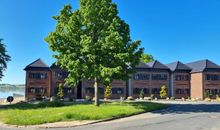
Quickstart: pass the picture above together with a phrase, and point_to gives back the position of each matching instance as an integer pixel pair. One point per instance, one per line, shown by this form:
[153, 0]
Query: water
[5, 93]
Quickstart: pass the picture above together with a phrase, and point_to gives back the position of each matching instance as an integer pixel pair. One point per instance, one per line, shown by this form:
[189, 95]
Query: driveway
[203, 116]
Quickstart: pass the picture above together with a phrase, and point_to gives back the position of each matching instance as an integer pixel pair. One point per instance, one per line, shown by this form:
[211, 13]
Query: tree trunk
[96, 93]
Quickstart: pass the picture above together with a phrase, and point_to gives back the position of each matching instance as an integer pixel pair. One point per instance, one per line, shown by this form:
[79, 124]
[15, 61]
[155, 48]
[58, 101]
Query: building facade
[205, 79]
[196, 80]
[150, 77]
[179, 80]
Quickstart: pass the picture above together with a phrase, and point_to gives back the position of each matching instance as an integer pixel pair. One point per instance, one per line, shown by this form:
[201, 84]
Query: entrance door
[79, 91]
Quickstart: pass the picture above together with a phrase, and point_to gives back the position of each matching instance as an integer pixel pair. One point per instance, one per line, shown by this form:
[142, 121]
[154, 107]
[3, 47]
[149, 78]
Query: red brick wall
[210, 84]
[150, 84]
[183, 84]
[197, 85]
[38, 83]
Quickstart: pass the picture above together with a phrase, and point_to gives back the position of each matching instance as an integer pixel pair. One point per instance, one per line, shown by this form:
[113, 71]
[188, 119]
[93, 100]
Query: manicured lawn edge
[136, 108]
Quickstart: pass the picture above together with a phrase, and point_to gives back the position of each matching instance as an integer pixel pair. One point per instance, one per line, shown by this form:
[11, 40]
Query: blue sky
[170, 30]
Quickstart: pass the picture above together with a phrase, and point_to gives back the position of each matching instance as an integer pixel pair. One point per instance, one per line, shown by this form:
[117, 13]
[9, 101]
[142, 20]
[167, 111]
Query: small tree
[207, 94]
[108, 92]
[163, 92]
[60, 91]
[141, 95]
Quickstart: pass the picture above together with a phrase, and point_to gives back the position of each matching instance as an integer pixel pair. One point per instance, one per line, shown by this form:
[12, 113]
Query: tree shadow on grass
[41, 105]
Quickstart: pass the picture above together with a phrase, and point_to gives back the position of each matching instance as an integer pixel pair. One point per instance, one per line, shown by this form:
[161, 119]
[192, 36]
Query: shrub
[163, 92]
[188, 98]
[152, 96]
[141, 95]
[173, 98]
[130, 98]
[108, 92]
[88, 98]
[60, 91]
[72, 99]
[207, 94]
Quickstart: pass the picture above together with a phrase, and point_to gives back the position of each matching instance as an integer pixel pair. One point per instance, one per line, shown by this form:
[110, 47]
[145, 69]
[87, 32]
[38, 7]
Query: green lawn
[32, 114]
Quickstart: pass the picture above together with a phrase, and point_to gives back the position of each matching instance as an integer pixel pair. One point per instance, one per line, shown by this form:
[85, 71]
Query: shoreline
[16, 100]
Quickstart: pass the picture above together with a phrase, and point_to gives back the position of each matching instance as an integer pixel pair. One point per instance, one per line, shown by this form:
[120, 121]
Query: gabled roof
[37, 64]
[200, 66]
[142, 65]
[178, 66]
[157, 65]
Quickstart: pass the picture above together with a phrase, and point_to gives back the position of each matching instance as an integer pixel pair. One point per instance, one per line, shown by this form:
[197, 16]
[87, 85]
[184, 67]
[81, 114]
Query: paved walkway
[196, 116]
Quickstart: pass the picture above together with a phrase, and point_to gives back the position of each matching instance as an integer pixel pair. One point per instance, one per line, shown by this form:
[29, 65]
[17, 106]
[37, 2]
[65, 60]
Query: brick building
[194, 80]
[205, 78]
[179, 80]
[150, 77]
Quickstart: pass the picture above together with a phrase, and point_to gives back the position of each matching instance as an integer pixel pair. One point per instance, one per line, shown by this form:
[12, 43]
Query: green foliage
[141, 95]
[60, 91]
[207, 94]
[108, 92]
[4, 58]
[30, 116]
[50, 104]
[147, 58]
[163, 92]
[94, 43]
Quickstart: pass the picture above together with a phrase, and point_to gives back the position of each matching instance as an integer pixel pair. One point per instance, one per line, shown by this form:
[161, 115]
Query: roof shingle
[178, 66]
[37, 64]
[200, 66]
[157, 65]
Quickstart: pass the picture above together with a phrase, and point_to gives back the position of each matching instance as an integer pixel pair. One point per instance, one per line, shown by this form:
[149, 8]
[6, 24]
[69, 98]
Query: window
[138, 90]
[37, 75]
[92, 90]
[182, 77]
[156, 91]
[213, 91]
[68, 91]
[89, 90]
[117, 90]
[159, 77]
[187, 91]
[40, 90]
[179, 91]
[37, 90]
[141, 77]
[213, 77]
[60, 74]
[31, 90]
[101, 91]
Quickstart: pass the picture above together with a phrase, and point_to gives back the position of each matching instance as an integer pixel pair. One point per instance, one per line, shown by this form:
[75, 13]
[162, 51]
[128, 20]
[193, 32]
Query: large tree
[147, 58]
[4, 58]
[92, 42]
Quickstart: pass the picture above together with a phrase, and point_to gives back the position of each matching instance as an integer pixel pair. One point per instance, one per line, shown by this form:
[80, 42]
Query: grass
[33, 114]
